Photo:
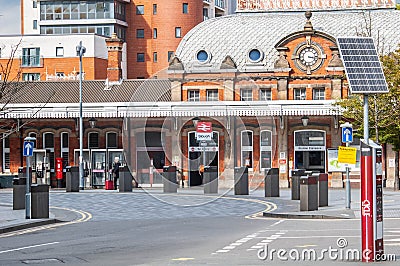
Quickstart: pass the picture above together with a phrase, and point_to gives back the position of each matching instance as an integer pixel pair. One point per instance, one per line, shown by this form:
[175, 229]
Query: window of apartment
[205, 14]
[65, 148]
[34, 4]
[6, 153]
[155, 59]
[154, 9]
[178, 32]
[155, 33]
[30, 76]
[140, 33]
[265, 95]
[319, 94]
[212, 95]
[266, 149]
[300, 94]
[112, 140]
[30, 56]
[140, 10]
[193, 95]
[246, 94]
[59, 51]
[60, 75]
[185, 8]
[35, 24]
[247, 148]
[93, 140]
[170, 55]
[48, 143]
[140, 57]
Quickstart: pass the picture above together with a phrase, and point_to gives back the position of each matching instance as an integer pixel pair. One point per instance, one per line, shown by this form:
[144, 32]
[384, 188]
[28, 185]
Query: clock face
[308, 56]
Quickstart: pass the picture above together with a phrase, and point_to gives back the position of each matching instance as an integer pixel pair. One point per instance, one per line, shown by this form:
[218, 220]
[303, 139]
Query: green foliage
[384, 109]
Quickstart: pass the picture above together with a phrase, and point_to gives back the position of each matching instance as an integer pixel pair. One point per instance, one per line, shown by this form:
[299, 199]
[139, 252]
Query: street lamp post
[80, 51]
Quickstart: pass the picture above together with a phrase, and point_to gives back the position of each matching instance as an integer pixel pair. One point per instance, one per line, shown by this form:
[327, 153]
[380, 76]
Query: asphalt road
[140, 229]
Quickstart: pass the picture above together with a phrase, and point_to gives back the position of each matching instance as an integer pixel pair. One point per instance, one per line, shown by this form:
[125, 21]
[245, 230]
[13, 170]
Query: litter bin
[323, 190]
[72, 179]
[39, 201]
[125, 179]
[296, 174]
[241, 180]
[19, 190]
[210, 180]
[169, 179]
[309, 193]
[271, 182]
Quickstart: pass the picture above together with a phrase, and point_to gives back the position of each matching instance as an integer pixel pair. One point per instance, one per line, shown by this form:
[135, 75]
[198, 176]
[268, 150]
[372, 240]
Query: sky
[10, 17]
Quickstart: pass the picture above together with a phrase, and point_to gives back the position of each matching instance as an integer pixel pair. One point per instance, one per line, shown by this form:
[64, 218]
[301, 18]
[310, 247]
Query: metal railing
[31, 61]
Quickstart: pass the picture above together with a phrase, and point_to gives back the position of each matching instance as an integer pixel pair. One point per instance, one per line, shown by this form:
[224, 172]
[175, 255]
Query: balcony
[220, 4]
[31, 61]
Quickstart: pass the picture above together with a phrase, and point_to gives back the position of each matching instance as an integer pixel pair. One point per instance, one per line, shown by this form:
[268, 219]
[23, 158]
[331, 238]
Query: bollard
[39, 201]
[323, 190]
[72, 179]
[19, 190]
[308, 193]
[125, 179]
[210, 179]
[241, 180]
[169, 179]
[295, 187]
[271, 182]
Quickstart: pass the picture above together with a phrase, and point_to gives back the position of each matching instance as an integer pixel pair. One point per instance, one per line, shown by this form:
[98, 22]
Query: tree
[384, 111]
[11, 88]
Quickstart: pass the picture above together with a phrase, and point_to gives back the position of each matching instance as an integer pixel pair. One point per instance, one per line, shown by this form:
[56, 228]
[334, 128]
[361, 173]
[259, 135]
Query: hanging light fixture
[304, 120]
[92, 122]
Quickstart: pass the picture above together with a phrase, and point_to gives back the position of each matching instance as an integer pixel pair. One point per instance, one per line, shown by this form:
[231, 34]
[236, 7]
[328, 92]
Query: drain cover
[42, 261]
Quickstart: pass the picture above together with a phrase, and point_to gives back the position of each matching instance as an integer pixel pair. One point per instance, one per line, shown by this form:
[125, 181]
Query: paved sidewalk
[11, 220]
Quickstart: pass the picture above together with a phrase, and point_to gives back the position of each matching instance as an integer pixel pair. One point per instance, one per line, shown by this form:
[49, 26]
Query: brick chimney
[114, 47]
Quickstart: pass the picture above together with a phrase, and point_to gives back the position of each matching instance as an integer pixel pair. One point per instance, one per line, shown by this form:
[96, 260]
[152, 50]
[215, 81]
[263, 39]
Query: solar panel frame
[362, 65]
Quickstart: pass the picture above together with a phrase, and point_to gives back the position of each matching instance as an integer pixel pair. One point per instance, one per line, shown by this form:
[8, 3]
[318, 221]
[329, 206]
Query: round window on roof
[255, 55]
[202, 56]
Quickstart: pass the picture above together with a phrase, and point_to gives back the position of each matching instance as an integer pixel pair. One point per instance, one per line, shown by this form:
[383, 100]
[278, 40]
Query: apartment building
[151, 29]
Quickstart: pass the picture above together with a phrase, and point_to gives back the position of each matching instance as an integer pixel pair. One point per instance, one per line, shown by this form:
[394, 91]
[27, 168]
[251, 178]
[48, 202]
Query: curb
[27, 225]
[300, 216]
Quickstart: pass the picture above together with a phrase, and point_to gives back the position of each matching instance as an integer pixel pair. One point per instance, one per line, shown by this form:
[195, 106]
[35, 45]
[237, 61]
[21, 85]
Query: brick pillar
[114, 47]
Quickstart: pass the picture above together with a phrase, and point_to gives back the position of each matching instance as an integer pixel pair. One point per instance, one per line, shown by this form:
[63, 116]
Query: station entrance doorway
[206, 153]
[309, 149]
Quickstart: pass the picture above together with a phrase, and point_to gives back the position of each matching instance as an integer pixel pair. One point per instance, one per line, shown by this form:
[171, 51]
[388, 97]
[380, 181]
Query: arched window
[65, 148]
[265, 149]
[112, 140]
[48, 145]
[93, 142]
[247, 148]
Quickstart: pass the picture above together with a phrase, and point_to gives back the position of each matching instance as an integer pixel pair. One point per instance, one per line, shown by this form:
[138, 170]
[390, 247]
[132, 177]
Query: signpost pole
[28, 186]
[348, 189]
[28, 152]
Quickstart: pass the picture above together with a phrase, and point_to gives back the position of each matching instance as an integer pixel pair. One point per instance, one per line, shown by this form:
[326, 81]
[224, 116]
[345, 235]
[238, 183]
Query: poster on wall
[333, 163]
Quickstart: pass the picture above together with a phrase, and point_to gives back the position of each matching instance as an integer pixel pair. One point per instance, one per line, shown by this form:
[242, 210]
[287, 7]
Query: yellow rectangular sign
[347, 155]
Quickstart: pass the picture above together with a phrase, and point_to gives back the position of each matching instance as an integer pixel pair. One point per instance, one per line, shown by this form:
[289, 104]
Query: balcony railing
[220, 3]
[31, 61]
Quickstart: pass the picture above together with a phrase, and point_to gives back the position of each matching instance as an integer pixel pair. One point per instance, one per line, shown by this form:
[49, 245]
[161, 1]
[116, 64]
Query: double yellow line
[83, 217]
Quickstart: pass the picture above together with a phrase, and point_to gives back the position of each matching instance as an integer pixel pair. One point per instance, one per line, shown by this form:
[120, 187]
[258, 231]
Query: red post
[59, 171]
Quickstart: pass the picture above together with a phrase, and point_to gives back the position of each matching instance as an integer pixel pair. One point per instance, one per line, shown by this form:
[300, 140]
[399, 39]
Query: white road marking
[28, 247]
[257, 247]
[222, 250]
[236, 244]
[278, 222]
[229, 247]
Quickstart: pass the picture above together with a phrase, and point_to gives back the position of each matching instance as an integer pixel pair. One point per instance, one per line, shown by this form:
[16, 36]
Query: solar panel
[361, 62]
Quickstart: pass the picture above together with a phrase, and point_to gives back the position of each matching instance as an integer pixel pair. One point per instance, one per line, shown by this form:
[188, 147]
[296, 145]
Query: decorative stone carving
[282, 62]
[228, 63]
[175, 64]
